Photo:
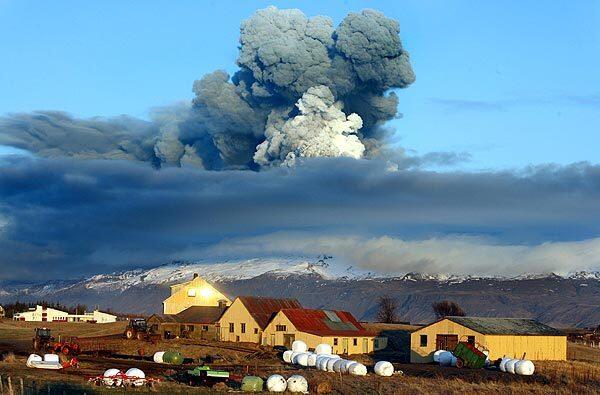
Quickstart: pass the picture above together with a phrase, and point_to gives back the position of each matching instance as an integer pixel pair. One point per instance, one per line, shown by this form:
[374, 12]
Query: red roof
[326, 322]
[263, 309]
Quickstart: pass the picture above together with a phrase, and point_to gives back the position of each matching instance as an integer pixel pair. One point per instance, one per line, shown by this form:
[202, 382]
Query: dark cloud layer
[64, 217]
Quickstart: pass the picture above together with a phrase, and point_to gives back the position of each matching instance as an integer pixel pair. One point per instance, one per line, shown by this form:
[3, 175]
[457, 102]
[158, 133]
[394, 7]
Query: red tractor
[44, 341]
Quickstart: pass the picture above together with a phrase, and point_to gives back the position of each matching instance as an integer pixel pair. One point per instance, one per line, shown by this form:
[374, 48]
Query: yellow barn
[510, 337]
[248, 316]
[197, 292]
[339, 329]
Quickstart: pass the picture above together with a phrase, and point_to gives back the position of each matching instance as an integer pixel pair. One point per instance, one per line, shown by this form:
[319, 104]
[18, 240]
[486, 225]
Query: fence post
[22, 385]
[9, 385]
[1, 384]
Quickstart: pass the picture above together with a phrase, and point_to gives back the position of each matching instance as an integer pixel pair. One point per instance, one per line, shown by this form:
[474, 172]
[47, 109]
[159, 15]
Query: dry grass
[581, 352]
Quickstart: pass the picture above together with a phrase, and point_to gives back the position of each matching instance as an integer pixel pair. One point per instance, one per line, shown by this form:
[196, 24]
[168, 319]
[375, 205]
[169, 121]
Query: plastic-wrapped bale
[312, 360]
[384, 368]
[51, 358]
[287, 356]
[337, 365]
[510, 365]
[158, 356]
[297, 383]
[252, 384]
[173, 357]
[319, 361]
[445, 358]
[276, 383]
[111, 377]
[323, 349]
[294, 355]
[33, 358]
[453, 361]
[302, 359]
[299, 346]
[358, 369]
[436, 355]
[330, 362]
[346, 365]
[137, 376]
[524, 367]
[502, 365]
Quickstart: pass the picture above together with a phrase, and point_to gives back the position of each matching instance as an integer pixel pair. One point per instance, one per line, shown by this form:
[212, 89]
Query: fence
[17, 386]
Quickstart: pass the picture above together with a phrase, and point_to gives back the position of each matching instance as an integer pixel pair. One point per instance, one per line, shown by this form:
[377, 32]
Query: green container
[173, 357]
[252, 384]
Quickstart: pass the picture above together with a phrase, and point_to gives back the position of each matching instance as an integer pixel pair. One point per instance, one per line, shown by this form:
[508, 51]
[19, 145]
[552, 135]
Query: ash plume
[304, 88]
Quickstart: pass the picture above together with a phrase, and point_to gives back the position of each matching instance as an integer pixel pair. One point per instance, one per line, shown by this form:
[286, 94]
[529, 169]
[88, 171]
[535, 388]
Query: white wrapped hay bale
[330, 362]
[445, 358]
[287, 356]
[111, 377]
[299, 346]
[358, 369]
[276, 383]
[33, 358]
[337, 365]
[297, 383]
[510, 365]
[294, 356]
[453, 361]
[158, 356]
[302, 359]
[323, 349]
[137, 376]
[321, 359]
[346, 365]
[349, 365]
[312, 360]
[502, 365]
[524, 367]
[384, 368]
[51, 358]
[436, 355]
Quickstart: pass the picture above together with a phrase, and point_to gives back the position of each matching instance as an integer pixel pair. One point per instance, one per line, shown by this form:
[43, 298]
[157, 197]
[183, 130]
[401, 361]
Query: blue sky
[511, 83]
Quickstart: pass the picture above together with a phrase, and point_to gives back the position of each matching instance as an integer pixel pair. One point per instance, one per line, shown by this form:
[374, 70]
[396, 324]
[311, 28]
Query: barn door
[446, 342]
[288, 340]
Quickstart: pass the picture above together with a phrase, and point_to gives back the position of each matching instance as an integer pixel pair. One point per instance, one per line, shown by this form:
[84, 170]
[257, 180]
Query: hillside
[561, 301]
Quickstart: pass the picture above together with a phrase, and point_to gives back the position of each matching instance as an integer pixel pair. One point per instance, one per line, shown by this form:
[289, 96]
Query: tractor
[44, 341]
[137, 328]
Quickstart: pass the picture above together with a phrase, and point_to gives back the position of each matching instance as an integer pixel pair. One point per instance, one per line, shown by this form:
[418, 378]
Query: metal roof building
[510, 337]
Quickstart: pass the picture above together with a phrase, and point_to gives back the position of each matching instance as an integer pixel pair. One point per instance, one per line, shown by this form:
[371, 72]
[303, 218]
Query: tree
[447, 308]
[387, 307]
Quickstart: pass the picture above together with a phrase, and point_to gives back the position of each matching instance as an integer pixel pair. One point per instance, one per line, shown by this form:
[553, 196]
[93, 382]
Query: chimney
[195, 275]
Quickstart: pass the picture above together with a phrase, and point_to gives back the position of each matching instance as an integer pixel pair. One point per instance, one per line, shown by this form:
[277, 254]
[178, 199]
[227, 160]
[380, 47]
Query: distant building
[197, 292]
[196, 322]
[47, 314]
[248, 316]
[337, 328]
[510, 337]
[2, 312]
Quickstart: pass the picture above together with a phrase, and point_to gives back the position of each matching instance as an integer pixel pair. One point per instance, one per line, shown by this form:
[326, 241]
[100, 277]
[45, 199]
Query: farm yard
[103, 347]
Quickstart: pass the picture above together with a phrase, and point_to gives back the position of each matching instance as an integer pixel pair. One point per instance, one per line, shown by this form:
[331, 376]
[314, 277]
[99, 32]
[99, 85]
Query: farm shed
[197, 292]
[511, 337]
[337, 328]
[248, 316]
[196, 322]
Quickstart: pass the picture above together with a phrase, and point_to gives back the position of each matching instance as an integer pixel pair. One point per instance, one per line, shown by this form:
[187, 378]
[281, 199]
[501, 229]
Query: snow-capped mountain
[323, 282]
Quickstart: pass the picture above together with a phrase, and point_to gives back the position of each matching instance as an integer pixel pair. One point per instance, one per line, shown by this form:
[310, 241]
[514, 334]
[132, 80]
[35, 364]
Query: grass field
[579, 375]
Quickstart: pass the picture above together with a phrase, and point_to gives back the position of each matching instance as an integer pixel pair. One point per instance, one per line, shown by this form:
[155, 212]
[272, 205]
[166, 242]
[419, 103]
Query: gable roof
[194, 315]
[326, 322]
[506, 326]
[263, 309]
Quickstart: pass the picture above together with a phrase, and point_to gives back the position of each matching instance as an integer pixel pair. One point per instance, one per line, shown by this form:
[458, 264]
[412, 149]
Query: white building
[47, 314]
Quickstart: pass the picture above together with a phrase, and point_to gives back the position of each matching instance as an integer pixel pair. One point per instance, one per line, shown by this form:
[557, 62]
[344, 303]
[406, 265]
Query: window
[231, 327]
[335, 341]
[471, 339]
[355, 341]
[423, 340]
[256, 331]
[205, 328]
[280, 328]
[191, 292]
[243, 327]
[190, 328]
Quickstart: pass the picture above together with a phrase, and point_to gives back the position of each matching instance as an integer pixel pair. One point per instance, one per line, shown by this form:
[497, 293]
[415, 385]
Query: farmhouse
[510, 337]
[43, 314]
[197, 292]
[336, 328]
[248, 316]
[196, 322]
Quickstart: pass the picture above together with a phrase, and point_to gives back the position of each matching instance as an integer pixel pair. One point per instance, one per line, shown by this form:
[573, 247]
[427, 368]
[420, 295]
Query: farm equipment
[470, 355]
[44, 341]
[116, 378]
[137, 328]
[205, 376]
